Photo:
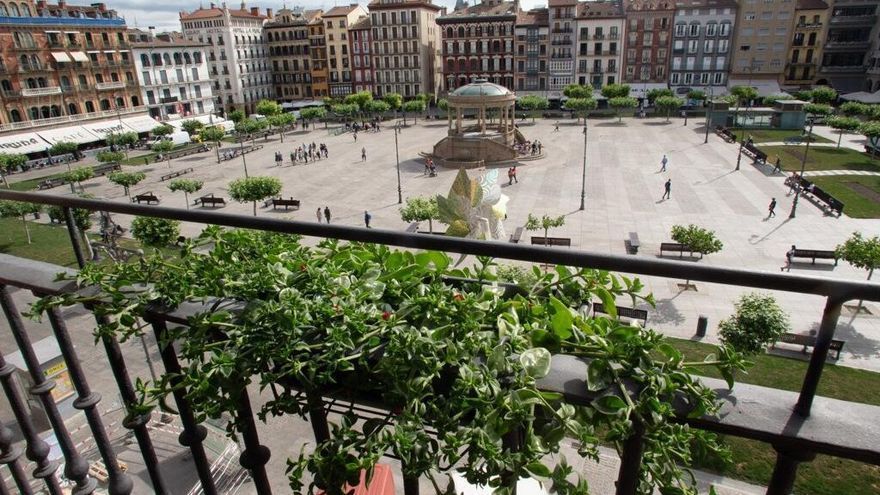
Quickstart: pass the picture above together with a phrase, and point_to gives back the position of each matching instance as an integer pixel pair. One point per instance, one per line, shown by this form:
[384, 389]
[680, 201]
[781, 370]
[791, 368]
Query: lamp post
[706, 140]
[797, 191]
[584, 171]
[397, 157]
[241, 148]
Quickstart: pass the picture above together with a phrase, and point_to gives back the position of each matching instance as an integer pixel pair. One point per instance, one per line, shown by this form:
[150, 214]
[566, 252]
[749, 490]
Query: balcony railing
[842, 68]
[50, 90]
[798, 426]
[109, 85]
[29, 124]
[813, 25]
[868, 19]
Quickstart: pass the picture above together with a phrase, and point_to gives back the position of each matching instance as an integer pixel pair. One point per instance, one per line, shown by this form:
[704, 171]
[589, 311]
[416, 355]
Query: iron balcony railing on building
[811, 25]
[798, 426]
[28, 124]
[867, 20]
[104, 86]
[47, 91]
[847, 45]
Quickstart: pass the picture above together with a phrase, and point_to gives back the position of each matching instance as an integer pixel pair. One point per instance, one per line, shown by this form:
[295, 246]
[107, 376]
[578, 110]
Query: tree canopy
[757, 322]
[696, 238]
[843, 124]
[254, 189]
[421, 210]
[823, 95]
[578, 91]
[268, 108]
[619, 103]
[615, 91]
[394, 100]
[192, 126]
[127, 180]
[744, 94]
[155, 232]
[580, 106]
[162, 130]
[668, 104]
[236, 116]
[861, 252]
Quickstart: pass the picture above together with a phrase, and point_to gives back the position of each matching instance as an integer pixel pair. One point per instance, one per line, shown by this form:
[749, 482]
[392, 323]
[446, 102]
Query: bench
[551, 241]
[815, 194]
[413, 228]
[517, 235]
[639, 315]
[793, 140]
[725, 133]
[50, 183]
[210, 200]
[674, 247]
[754, 153]
[810, 341]
[102, 170]
[634, 242]
[173, 155]
[812, 254]
[286, 203]
[149, 198]
[175, 174]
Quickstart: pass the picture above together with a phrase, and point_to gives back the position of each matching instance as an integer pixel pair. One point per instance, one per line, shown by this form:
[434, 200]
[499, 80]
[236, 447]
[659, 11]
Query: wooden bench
[175, 174]
[754, 153]
[812, 254]
[793, 140]
[412, 228]
[634, 242]
[172, 155]
[725, 133]
[102, 170]
[517, 235]
[210, 200]
[816, 194]
[50, 183]
[674, 247]
[810, 341]
[149, 198]
[286, 203]
[551, 241]
[634, 314]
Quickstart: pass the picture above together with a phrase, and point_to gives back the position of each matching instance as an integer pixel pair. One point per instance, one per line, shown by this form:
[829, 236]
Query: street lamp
[797, 191]
[241, 149]
[584, 172]
[706, 140]
[397, 157]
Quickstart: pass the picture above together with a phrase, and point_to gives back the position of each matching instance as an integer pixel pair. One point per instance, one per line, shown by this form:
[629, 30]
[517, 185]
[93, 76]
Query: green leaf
[536, 362]
[607, 301]
[561, 320]
[611, 405]
[596, 375]
[538, 469]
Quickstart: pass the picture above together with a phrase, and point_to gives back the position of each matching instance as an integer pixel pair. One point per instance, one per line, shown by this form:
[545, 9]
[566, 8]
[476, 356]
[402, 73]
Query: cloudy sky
[163, 14]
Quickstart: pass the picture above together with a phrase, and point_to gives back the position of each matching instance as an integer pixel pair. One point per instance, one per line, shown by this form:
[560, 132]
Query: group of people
[365, 126]
[325, 214]
[430, 169]
[530, 148]
[305, 152]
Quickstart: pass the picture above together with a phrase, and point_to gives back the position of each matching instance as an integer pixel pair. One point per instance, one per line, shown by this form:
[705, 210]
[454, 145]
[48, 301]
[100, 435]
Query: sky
[163, 14]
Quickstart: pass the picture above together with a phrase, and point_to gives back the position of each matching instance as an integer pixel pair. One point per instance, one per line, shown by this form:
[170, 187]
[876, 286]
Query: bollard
[702, 323]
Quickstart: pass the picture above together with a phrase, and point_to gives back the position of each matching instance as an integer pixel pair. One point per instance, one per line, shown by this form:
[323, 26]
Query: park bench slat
[551, 241]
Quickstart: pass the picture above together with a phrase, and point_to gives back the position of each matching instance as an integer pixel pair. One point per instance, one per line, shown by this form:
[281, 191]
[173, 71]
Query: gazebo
[488, 141]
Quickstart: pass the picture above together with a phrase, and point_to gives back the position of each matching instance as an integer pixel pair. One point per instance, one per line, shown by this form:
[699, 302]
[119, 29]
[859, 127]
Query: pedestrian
[511, 176]
[778, 165]
[663, 163]
[772, 208]
[292, 158]
[367, 218]
[355, 134]
[327, 213]
[363, 154]
[556, 129]
[318, 214]
[278, 158]
[788, 258]
[427, 166]
[667, 194]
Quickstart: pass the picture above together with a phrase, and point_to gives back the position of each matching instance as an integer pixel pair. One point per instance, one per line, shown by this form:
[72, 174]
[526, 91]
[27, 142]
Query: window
[708, 46]
[749, 16]
[704, 78]
[694, 30]
[693, 45]
[679, 30]
[710, 29]
[724, 29]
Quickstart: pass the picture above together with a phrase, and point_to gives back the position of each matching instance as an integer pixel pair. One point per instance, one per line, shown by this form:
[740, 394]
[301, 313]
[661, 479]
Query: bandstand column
[458, 120]
[483, 119]
[449, 118]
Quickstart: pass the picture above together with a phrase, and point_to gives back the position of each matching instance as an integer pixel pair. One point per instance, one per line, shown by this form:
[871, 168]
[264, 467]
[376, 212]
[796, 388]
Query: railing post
[73, 231]
[9, 455]
[785, 470]
[75, 467]
[820, 353]
[317, 416]
[120, 483]
[193, 433]
[255, 456]
[631, 461]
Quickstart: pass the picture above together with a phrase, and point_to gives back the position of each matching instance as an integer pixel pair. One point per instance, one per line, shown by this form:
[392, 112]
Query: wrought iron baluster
[255, 456]
[820, 353]
[9, 455]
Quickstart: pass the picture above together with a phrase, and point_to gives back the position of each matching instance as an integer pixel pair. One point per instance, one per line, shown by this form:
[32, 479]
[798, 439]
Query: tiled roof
[362, 23]
[397, 4]
[534, 17]
[340, 11]
[691, 4]
[610, 8]
[215, 12]
[811, 5]
[484, 9]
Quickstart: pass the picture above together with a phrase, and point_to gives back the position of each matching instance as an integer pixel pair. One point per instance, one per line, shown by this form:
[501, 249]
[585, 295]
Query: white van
[177, 137]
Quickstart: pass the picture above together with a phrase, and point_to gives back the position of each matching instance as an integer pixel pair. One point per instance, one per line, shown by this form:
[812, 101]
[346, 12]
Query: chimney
[254, 10]
[269, 13]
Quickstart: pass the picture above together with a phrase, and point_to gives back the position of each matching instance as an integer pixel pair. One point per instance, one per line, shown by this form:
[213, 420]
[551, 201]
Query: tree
[312, 113]
[188, 186]
[615, 91]
[854, 109]
[164, 147]
[871, 131]
[110, 156]
[127, 180]
[374, 107]
[162, 130]
[655, 93]
[420, 210]
[804, 95]
[696, 95]
[214, 134]
[394, 101]
[11, 209]
[80, 174]
[361, 99]
[861, 252]
[122, 140]
[757, 322]
[155, 232]
[347, 110]
[82, 218]
[281, 121]
[249, 127]
[744, 94]
[668, 104]
[533, 104]
[192, 126]
[443, 104]
[842, 125]
[697, 239]
[8, 162]
[254, 189]
[269, 109]
[619, 103]
[823, 95]
[580, 106]
[768, 101]
[414, 107]
[545, 223]
[63, 148]
[236, 116]
[818, 109]
[578, 91]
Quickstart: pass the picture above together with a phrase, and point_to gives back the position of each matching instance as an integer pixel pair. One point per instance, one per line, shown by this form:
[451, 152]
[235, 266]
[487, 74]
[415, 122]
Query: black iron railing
[787, 421]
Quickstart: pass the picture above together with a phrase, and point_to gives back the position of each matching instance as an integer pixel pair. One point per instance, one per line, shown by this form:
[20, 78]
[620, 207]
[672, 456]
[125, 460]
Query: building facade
[478, 43]
[238, 57]
[287, 36]
[532, 34]
[805, 52]
[318, 55]
[763, 35]
[173, 75]
[360, 47]
[406, 44]
[336, 24]
[599, 27]
[648, 42]
[702, 39]
[562, 46]
[850, 42]
[63, 60]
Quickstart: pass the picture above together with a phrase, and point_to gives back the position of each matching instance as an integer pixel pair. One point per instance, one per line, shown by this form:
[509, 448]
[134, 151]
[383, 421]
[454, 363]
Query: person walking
[667, 194]
[318, 214]
[355, 134]
[778, 166]
[278, 158]
[367, 218]
[772, 208]
[511, 176]
[556, 129]
[327, 213]
[663, 163]
[363, 154]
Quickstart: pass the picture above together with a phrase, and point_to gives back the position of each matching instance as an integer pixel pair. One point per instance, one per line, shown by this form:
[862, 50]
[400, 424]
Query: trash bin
[702, 323]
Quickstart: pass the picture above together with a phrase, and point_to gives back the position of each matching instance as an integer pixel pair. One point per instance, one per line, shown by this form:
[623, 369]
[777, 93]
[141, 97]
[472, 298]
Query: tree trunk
[127, 193]
[73, 188]
[27, 231]
[839, 138]
[85, 239]
[186, 197]
[281, 131]
[546, 241]
[5, 182]
[431, 227]
[217, 149]
[255, 208]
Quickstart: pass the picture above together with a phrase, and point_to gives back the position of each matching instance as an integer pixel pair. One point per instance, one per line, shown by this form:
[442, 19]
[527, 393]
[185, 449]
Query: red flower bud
[386, 315]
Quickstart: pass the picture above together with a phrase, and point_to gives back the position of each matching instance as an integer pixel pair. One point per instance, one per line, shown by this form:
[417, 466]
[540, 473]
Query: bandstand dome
[481, 88]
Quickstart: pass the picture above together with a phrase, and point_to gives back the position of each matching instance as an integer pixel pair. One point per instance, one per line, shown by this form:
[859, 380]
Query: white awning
[25, 142]
[60, 57]
[51, 32]
[93, 51]
[862, 97]
[71, 32]
[109, 51]
[140, 123]
[79, 57]
[763, 87]
[76, 134]
[101, 129]
[123, 51]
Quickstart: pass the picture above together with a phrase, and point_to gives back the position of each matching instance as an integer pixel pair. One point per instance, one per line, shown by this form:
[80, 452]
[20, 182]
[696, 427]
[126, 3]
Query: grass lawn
[50, 243]
[858, 203]
[776, 135]
[821, 158]
[753, 461]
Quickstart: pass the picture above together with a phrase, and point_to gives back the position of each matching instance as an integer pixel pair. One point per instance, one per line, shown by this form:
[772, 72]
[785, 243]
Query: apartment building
[478, 43]
[238, 56]
[850, 43]
[360, 47]
[287, 36]
[805, 52]
[599, 29]
[562, 45]
[318, 55]
[406, 44]
[701, 44]
[764, 32]
[647, 46]
[60, 60]
[532, 33]
[336, 24]
[173, 75]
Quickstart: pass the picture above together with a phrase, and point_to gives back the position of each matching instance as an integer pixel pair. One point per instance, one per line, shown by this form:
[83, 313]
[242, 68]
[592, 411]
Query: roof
[215, 12]
[610, 8]
[361, 24]
[691, 4]
[481, 87]
[341, 11]
[561, 3]
[648, 5]
[482, 9]
[534, 17]
[400, 4]
[811, 5]
[160, 43]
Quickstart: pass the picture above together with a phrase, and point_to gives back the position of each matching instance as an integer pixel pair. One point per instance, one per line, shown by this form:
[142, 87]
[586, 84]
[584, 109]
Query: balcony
[598, 36]
[8, 94]
[810, 26]
[104, 86]
[842, 68]
[560, 30]
[34, 68]
[853, 20]
[47, 91]
[799, 425]
[64, 119]
[847, 45]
